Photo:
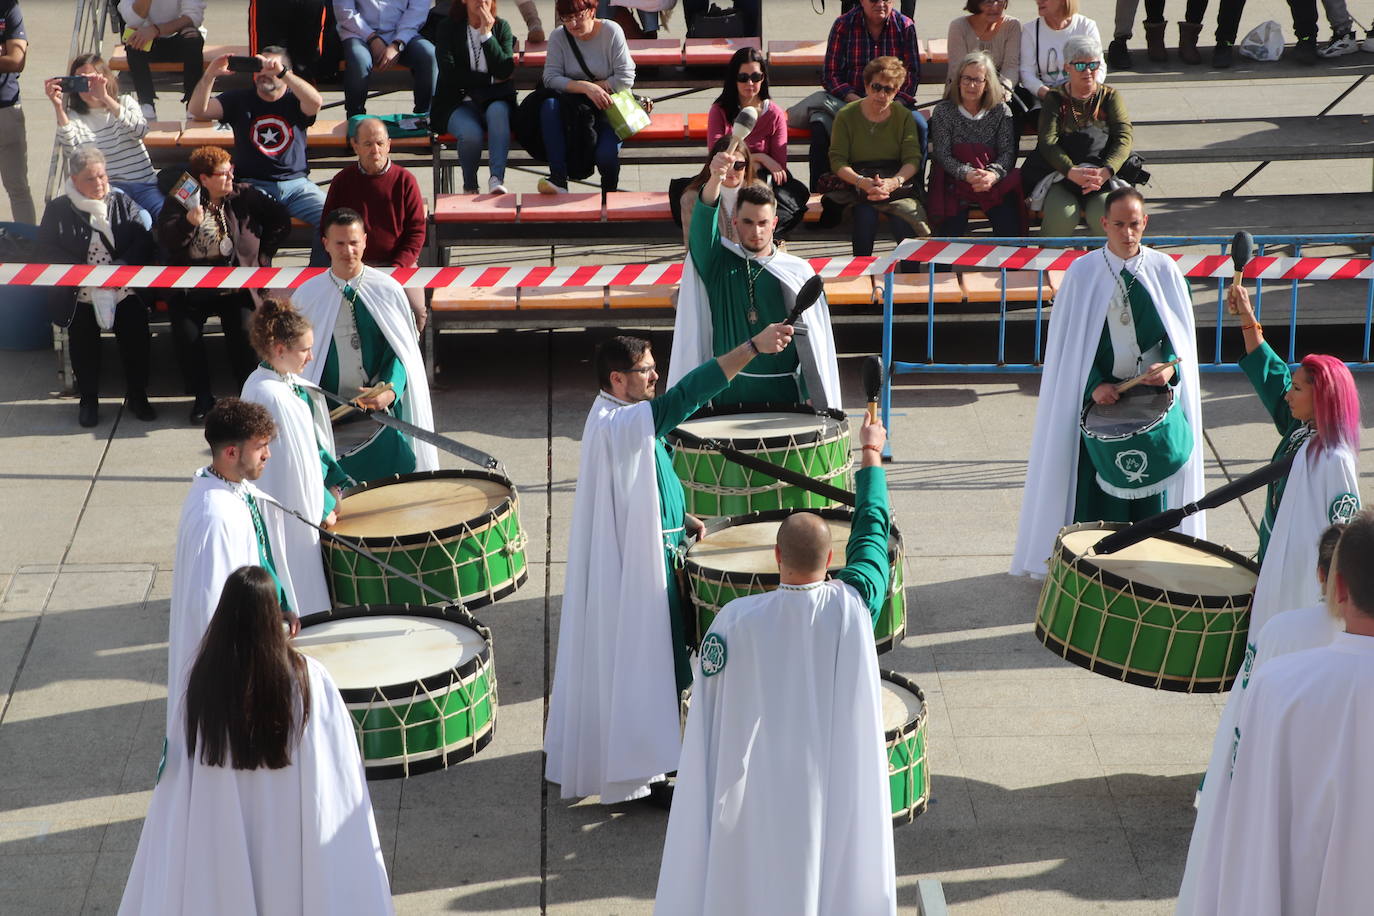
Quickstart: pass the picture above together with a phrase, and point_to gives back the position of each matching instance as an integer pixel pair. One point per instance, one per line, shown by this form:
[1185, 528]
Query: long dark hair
[242, 693]
[73, 99]
[729, 93]
[720, 146]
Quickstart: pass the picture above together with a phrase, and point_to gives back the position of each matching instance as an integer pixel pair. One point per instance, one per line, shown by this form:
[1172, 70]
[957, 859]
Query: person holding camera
[163, 30]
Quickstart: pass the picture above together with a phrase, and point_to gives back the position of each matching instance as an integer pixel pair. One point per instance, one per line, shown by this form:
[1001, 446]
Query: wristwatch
[398, 45]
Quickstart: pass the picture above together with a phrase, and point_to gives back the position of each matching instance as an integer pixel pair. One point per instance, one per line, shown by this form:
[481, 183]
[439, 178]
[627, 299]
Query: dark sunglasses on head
[1081, 65]
[749, 77]
[879, 87]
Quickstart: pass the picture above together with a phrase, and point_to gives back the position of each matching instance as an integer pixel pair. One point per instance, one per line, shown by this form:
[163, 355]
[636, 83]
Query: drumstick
[1241, 248]
[372, 392]
[1132, 382]
[871, 369]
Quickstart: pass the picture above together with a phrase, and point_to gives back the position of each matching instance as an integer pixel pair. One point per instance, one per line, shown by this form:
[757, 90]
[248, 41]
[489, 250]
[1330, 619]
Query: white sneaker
[496, 186]
[546, 186]
[1368, 44]
[1339, 46]
[149, 111]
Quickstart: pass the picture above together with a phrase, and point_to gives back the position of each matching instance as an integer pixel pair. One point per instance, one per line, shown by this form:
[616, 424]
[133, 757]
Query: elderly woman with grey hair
[94, 223]
[1085, 141]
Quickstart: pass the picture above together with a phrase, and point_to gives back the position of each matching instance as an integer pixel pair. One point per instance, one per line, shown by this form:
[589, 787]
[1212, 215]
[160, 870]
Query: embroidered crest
[712, 654]
[1132, 462]
[1247, 665]
[1343, 508]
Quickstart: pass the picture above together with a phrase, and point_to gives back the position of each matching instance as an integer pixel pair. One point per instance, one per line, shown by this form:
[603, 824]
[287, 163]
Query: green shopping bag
[626, 115]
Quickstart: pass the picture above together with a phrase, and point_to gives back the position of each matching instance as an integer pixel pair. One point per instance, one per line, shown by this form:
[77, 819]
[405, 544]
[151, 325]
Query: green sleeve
[334, 474]
[500, 51]
[1118, 131]
[704, 238]
[394, 371]
[1269, 375]
[866, 565]
[1048, 145]
[685, 398]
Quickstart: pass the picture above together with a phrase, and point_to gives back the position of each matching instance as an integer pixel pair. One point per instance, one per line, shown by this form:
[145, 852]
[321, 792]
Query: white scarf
[96, 210]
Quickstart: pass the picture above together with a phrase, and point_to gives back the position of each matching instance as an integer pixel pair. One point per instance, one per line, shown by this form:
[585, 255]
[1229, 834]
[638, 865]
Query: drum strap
[786, 475]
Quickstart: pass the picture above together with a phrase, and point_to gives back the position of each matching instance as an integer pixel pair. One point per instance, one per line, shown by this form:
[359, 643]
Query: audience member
[742, 172]
[973, 153]
[1043, 66]
[229, 225]
[79, 227]
[299, 26]
[587, 56]
[1085, 139]
[1119, 55]
[378, 34]
[269, 123]
[103, 118]
[750, 13]
[533, 26]
[987, 27]
[908, 7]
[164, 30]
[1343, 38]
[876, 151]
[14, 144]
[652, 14]
[388, 198]
[476, 53]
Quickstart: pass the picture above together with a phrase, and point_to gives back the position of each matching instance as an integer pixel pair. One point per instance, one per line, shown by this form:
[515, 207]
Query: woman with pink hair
[1317, 411]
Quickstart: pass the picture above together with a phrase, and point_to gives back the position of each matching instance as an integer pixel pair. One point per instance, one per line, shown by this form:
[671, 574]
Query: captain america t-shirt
[269, 137]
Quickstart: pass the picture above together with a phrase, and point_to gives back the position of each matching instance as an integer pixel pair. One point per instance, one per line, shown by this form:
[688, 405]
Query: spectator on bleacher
[746, 86]
[608, 68]
[870, 30]
[269, 123]
[378, 34]
[92, 223]
[1085, 139]
[533, 26]
[14, 144]
[476, 52]
[296, 25]
[164, 30]
[1043, 66]
[230, 225]
[908, 7]
[750, 14]
[987, 27]
[1119, 54]
[652, 14]
[973, 153]
[742, 172]
[102, 117]
[388, 198]
[875, 151]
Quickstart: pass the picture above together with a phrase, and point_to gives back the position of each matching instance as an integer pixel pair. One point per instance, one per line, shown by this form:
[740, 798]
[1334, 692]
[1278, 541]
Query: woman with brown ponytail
[303, 474]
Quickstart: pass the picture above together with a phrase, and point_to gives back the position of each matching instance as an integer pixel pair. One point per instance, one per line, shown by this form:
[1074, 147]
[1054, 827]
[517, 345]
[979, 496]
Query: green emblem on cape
[712, 654]
[1248, 665]
[1343, 508]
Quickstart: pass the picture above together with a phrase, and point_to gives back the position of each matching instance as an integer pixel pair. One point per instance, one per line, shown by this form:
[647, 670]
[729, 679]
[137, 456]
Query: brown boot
[1154, 41]
[1187, 42]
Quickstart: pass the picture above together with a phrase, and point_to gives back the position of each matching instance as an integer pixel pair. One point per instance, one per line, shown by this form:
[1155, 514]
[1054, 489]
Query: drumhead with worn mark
[900, 706]
[759, 425]
[378, 651]
[748, 548]
[417, 506]
[1165, 565]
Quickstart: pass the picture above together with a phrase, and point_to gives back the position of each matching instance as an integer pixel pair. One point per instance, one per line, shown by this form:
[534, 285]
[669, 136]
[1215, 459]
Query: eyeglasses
[749, 77]
[973, 80]
[579, 15]
[880, 87]
[1089, 65]
[642, 370]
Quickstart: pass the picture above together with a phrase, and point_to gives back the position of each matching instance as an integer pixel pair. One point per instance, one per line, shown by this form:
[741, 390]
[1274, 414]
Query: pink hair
[1335, 402]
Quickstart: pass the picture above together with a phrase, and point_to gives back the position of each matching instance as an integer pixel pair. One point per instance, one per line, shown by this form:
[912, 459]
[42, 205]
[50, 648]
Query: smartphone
[242, 64]
[187, 191]
[70, 84]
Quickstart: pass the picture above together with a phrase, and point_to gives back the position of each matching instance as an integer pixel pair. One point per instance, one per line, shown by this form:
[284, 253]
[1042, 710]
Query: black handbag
[716, 23]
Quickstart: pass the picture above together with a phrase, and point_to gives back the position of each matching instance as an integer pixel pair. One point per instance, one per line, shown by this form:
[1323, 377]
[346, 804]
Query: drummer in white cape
[613, 726]
[784, 740]
[1296, 832]
[730, 291]
[303, 475]
[370, 328]
[1120, 311]
[247, 817]
[1291, 631]
[226, 522]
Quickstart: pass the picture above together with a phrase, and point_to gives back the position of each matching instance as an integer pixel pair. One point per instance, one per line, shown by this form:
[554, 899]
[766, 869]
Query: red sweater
[392, 208]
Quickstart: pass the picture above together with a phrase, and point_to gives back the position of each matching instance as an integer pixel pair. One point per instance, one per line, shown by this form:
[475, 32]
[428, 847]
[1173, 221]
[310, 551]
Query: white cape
[782, 802]
[294, 478]
[318, 299]
[692, 327]
[613, 713]
[298, 841]
[1076, 321]
[215, 536]
[1296, 833]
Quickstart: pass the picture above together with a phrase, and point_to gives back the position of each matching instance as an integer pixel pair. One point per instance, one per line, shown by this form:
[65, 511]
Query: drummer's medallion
[1343, 508]
[713, 654]
[1132, 462]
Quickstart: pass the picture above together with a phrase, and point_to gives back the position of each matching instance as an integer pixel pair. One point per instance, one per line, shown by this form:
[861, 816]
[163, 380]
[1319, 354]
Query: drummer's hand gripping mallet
[1242, 249]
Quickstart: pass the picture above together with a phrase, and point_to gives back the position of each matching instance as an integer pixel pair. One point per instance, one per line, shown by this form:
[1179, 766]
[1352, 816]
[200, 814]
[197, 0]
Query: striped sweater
[117, 136]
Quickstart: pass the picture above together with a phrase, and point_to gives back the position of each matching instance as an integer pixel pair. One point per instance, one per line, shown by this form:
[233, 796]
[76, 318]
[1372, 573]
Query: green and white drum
[736, 559]
[904, 727]
[1139, 443]
[456, 531]
[808, 441]
[1170, 612]
[419, 682]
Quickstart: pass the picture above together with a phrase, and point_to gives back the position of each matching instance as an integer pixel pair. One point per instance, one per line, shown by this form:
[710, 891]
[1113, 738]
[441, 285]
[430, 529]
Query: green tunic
[1269, 375]
[726, 277]
[865, 556]
[333, 472]
[1091, 503]
[265, 558]
[670, 409]
[389, 452]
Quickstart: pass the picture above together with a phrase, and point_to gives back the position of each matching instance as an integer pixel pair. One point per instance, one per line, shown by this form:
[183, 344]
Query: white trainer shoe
[496, 186]
[149, 111]
[1339, 46]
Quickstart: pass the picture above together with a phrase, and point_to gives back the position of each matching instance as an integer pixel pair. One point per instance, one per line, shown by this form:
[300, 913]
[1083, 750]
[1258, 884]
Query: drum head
[384, 650]
[1165, 565]
[748, 548]
[751, 427]
[418, 506]
[1138, 409]
[900, 706]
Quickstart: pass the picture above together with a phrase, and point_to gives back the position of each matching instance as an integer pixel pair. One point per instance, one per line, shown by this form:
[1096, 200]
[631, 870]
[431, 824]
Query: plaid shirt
[850, 48]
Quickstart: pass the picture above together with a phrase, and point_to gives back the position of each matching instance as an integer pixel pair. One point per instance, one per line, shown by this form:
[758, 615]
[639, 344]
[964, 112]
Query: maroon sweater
[392, 208]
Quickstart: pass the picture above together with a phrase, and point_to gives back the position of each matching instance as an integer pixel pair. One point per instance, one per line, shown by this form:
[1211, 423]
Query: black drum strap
[786, 475]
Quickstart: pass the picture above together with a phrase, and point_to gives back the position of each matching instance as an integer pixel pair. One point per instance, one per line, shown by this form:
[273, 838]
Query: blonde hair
[886, 65]
[993, 92]
[274, 322]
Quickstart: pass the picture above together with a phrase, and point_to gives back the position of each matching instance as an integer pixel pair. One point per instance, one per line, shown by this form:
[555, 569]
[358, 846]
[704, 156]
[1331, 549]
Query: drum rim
[906, 683]
[1149, 592]
[1083, 420]
[809, 437]
[438, 761]
[895, 544]
[507, 506]
[401, 691]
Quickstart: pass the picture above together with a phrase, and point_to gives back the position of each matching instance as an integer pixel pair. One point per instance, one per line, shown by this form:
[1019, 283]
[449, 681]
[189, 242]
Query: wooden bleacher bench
[119, 59]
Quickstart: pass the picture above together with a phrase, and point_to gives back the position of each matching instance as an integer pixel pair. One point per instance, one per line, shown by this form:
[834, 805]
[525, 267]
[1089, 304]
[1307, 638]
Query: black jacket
[458, 81]
[65, 238]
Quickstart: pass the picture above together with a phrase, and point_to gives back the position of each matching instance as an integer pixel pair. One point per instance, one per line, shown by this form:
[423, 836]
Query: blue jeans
[555, 143]
[467, 123]
[304, 200]
[145, 194]
[418, 56]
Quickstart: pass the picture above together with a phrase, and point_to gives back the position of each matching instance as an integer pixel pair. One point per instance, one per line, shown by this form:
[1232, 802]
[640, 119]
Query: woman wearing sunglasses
[743, 170]
[1044, 65]
[1085, 140]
